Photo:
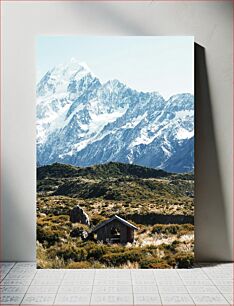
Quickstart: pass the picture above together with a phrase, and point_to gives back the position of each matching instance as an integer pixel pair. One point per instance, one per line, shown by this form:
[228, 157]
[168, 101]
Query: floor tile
[16, 282]
[145, 278]
[209, 299]
[176, 299]
[183, 277]
[210, 284]
[11, 299]
[222, 282]
[225, 289]
[169, 282]
[113, 281]
[16, 268]
[145, 289]
[113, 272]
[224, 275]
[13, 289]
[114, 277]
[38, 299]
[112, 299]
[112, 289]
[49, 276]
[171, 289]
[71, 281]
[229, 298]
[26, 264]
[4, 270]
[6, 264]
[75, 289]
[72, 299]
[52, 271]
[143, 281]
[194, 282]
[147, 299]
[19, 276]
[166, 275]
[143, 273]
[45, 282]
[80, 271]
[43, 289]
[3, 275]
[202, 289]
[78, 275]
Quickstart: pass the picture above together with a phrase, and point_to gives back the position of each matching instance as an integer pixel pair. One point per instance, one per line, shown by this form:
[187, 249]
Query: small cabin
[115, 230]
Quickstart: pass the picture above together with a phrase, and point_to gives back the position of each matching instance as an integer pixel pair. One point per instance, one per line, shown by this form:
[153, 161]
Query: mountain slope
[83, 122]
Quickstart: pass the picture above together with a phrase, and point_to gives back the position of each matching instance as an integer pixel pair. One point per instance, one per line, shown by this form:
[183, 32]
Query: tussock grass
[103, 191]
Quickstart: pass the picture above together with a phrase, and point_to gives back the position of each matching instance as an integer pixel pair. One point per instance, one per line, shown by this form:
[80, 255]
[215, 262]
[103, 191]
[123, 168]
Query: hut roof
[115, 217]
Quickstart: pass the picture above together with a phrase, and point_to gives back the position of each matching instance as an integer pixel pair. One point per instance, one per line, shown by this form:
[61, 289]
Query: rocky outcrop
[78, 215]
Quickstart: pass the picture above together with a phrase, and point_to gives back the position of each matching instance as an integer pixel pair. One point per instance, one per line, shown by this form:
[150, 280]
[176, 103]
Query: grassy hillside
[116, 188]
[105, 190]
[112, 169]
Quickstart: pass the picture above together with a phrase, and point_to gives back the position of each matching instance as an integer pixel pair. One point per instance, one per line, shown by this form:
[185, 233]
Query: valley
[154, 197]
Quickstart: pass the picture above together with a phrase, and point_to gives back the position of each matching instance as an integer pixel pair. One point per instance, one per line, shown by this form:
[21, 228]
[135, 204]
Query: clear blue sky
[146, 63]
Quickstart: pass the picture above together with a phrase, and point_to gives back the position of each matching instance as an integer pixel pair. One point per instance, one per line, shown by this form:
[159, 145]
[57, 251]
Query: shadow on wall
[17, 233]
[108, 15]
[210, 214]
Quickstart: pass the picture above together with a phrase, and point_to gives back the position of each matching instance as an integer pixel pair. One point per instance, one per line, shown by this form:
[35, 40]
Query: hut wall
[126, 233]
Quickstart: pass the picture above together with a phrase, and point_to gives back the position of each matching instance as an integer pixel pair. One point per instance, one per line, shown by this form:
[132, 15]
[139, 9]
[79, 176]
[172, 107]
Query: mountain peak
[58, 78]
[113, 84]
[77, 66]
[83, 122]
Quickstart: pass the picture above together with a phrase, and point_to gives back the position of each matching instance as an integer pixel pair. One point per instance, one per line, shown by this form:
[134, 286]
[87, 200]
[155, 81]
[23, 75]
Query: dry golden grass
[103, 191]
[152, 248]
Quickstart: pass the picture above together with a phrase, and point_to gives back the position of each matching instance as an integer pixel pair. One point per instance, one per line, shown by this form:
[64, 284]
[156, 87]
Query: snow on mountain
[83, 122]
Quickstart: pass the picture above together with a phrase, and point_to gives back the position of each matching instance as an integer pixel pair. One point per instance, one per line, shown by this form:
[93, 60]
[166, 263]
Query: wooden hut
[115, 230]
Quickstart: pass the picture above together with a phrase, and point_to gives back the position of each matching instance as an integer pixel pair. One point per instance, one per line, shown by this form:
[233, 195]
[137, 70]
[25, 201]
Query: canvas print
[115, 152]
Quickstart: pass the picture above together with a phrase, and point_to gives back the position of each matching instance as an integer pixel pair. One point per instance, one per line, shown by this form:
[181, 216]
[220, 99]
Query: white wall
[211, 24]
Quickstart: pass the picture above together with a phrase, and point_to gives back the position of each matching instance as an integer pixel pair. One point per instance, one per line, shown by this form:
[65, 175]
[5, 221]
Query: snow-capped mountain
[83, 122]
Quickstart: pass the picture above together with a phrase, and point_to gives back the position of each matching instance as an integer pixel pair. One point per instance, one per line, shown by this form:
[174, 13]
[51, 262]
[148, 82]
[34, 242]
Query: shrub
[98, 265]
[45, 261]
[112, 195]
[184, 260]
[165, 228]
[160, 265]
[150, 262]
[46, 234]
[70, 252]
[79, 265]
[97, 252]
[96, 219]
[170, 260]
[185, 230]
[179, 229]
[78, 232]
[116, 259]
[171, 247]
